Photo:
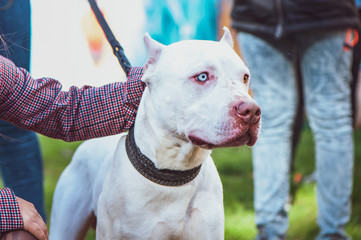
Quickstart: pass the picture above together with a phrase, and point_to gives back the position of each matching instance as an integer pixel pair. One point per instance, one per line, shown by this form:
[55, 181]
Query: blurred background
[68, 45]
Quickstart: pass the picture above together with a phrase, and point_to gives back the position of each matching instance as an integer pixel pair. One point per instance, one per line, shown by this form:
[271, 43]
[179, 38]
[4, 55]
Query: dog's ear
[227, 37]
[154, 48]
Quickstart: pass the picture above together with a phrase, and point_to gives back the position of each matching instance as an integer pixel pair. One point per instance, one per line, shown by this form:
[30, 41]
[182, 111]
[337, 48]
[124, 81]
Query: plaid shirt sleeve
[78, 114]
[10, 217]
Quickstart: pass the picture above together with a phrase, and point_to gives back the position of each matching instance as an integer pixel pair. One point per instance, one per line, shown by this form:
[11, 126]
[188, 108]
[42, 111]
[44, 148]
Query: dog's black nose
[249, 112]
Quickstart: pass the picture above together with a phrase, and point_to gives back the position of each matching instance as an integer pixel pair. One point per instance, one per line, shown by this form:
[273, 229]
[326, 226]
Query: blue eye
[202, 77]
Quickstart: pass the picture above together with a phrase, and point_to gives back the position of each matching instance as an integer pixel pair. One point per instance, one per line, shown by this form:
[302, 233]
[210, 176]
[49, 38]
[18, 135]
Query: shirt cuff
[10, 216]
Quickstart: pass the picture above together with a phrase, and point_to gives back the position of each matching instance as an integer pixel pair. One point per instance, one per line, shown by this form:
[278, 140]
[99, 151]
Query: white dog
[166, 186]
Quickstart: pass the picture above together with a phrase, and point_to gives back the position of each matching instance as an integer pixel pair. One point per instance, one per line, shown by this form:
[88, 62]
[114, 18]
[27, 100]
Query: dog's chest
[145, 206]
[153, 212]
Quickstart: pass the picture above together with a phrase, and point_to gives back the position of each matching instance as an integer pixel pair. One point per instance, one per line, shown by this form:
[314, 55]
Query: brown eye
[245, 78]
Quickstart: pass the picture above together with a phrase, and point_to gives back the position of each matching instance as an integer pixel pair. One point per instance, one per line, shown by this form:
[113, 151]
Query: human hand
[33, 222]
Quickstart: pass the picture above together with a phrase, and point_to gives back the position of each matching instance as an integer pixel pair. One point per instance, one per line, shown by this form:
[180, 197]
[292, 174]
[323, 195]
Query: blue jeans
[21, 164]
[20, 156]
[326, 76]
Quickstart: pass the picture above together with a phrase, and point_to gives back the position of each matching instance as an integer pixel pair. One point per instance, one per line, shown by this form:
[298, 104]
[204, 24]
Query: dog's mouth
[239, 140]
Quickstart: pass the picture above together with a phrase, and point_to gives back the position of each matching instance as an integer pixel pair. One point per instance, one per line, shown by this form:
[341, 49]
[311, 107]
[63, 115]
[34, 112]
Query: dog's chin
[240, 140]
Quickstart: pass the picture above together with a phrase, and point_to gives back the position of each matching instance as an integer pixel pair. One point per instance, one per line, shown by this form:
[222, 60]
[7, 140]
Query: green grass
[235, 168]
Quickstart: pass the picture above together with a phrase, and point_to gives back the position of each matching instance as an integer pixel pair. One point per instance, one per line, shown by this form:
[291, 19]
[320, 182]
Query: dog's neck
[167, 149]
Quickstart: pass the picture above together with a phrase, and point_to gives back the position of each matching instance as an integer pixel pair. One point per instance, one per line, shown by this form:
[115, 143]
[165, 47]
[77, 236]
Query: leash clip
[119, 53]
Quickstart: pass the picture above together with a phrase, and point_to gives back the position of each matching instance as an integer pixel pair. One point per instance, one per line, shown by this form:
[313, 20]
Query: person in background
[356, 82]
[276, 38]
[20, 156]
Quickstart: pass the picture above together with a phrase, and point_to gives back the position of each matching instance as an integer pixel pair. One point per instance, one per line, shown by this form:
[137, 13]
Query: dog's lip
[200, 142]
[239, 140]
[252, 140]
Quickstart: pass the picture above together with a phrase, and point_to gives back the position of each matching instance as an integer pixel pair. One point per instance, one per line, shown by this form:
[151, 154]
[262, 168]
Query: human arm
[78, 114]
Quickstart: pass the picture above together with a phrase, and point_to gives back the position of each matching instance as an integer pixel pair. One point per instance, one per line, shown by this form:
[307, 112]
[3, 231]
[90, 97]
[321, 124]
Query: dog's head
[199, 92]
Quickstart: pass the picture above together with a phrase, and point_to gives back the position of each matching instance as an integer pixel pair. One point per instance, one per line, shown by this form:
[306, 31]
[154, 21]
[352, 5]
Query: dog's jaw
[163, 146]
[232, 130]
[235, 140]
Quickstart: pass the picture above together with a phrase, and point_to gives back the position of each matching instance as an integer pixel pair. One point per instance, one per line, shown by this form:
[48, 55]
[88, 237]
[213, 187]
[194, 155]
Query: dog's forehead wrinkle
[236, 67]
[216, 55]
[197, 49]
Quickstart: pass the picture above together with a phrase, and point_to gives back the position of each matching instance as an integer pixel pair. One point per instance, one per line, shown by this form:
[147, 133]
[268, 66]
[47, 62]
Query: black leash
[117, 48]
